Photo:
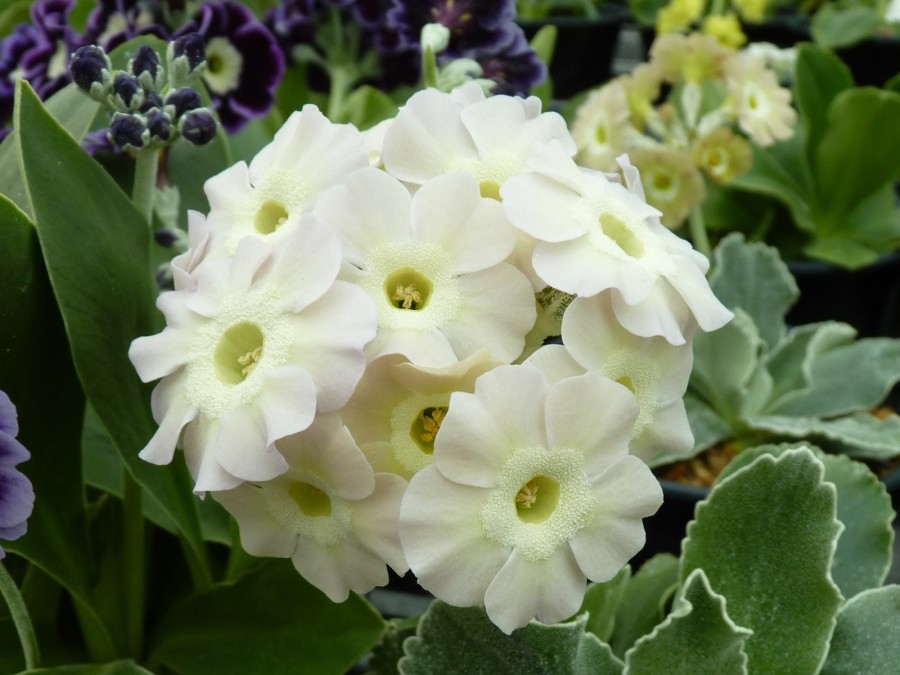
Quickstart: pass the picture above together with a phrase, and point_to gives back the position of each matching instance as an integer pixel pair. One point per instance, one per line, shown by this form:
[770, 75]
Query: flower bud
[186, 58]
[182, 100]
[127, 92]
[146, 67]
[91, 70]
[159, 124]
[151, 100]
[128, 131]
[198, 126]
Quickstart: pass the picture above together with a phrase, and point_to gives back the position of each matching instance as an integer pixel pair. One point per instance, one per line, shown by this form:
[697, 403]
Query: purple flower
[16, 493]
[472, 24]
[292, 22]
[244, 64]
[113, 22]
[515, 66]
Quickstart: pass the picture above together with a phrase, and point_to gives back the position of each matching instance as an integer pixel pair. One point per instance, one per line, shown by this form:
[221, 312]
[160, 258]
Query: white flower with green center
[267, 199]
[489, 137]
[602, 128]
[251, 353]
[398, 408]
[329, 513]
[531, 493]
[655, 371]
[761, 105]
[434, 264]
[597, 235]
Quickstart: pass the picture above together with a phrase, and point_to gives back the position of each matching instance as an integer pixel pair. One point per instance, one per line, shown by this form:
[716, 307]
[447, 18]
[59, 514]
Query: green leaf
[105, 303]
[369, 106]
[836, 26]
[601, 603]
[862, 435]
[775, 579]
[270, 621]
[855, 157]
[463, 640]
[820, 76]
[123, 667]
[74, 110]
[864, 550]
[867, 635]
[752, 276]
[697, 637]
[708, 428]
[643, 603]
[389, 650]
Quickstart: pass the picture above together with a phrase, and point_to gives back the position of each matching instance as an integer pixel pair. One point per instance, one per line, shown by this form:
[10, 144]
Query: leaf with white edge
[845, 379]
[601, 602]
[864, 551]
[643, 603]
[726, 367]
[697, 637]
[270, 621]
[752, 276]
[866, 638]
[463, 640]
[861, 436]
[766, 537]
[389, 650]
[790, 360]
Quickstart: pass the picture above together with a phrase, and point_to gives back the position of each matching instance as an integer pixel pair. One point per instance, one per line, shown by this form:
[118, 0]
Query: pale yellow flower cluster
[722, 23]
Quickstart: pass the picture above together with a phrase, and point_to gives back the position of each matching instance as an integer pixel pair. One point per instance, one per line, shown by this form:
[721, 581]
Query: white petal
[200, 454]
[175, 413]
[690, 283]
[376, 521]
[550, 590]
[444, 543]
[670, 432]
[555, 362]
[306, 264]
[661, 313]
[538, 206]
[156, 356]
[242, 450]
[260, 534]
[430, 348]
[287, 403]
[339, 569]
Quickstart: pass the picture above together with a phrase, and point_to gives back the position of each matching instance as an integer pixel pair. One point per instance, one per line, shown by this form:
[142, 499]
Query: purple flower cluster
[245, 65]
[16, 493]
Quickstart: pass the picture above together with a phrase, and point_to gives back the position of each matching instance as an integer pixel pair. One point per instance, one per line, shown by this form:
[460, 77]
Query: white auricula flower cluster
[342, 358]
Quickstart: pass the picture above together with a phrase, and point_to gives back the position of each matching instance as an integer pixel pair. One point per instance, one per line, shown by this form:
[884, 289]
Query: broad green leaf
[36, 372]
[862, 435]
[123, 667]
[864, 550]
[369, 106]
[819, 77]
[841, 251]
[708, 428]
[856, 155]
[74, 110]
[753, 277]
[834, 26]
[765, 538]
[96, 248]
[463, 640]
[643, 603]
[867, 635]
[696, 637]
[389, 650]
[601, 603]
[844, 379]
[270, 621]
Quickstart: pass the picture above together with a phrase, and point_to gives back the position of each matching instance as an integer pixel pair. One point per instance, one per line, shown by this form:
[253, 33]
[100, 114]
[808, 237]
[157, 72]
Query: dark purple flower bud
[16, 491]
[151, 100]
[129, 131]
[198, 126]
[186, 57]
[167, 236]
[160, 126]
[515, 67]
[91, 70]
[127, 92]
[113, 22]
[182, 100]
[146, 67]
[472, 23]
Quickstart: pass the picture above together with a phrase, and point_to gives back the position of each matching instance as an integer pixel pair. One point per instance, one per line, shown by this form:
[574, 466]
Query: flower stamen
[407, 296]
[249, 360]
[431, 422]
[527, 496]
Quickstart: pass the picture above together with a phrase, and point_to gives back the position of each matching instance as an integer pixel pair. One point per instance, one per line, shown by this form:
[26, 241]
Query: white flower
[532, 491]
[762, 106]
[602, 127]
[308, 155]
[466, 131]
[655, 371]
[397, 410]
[264, 341]
[433, 263]
[596, 235]
[328, 512]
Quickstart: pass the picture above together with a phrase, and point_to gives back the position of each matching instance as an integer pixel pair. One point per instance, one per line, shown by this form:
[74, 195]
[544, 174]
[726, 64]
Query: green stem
[429, 68]
[698, 232]
[21, 619]
[197, 567]
[134, 563]
[337, 92]
[144, 188]
[96, 637]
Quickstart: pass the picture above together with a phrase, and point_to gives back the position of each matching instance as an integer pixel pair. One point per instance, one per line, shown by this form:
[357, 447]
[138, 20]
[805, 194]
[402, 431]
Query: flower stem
[698, 232]
[21, 619]
[144, 188]
[133, 562]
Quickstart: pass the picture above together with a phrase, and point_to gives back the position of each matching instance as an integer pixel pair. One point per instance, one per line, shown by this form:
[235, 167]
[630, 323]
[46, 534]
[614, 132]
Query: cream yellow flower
[602, 128]
[671, 182]
[726, 28]
[722, 154]
[694, 58]
[762, 106]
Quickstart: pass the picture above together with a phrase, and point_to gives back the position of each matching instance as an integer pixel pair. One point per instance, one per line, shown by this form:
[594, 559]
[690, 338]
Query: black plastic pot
[867, 298]
[584, 48]
[874, 61]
